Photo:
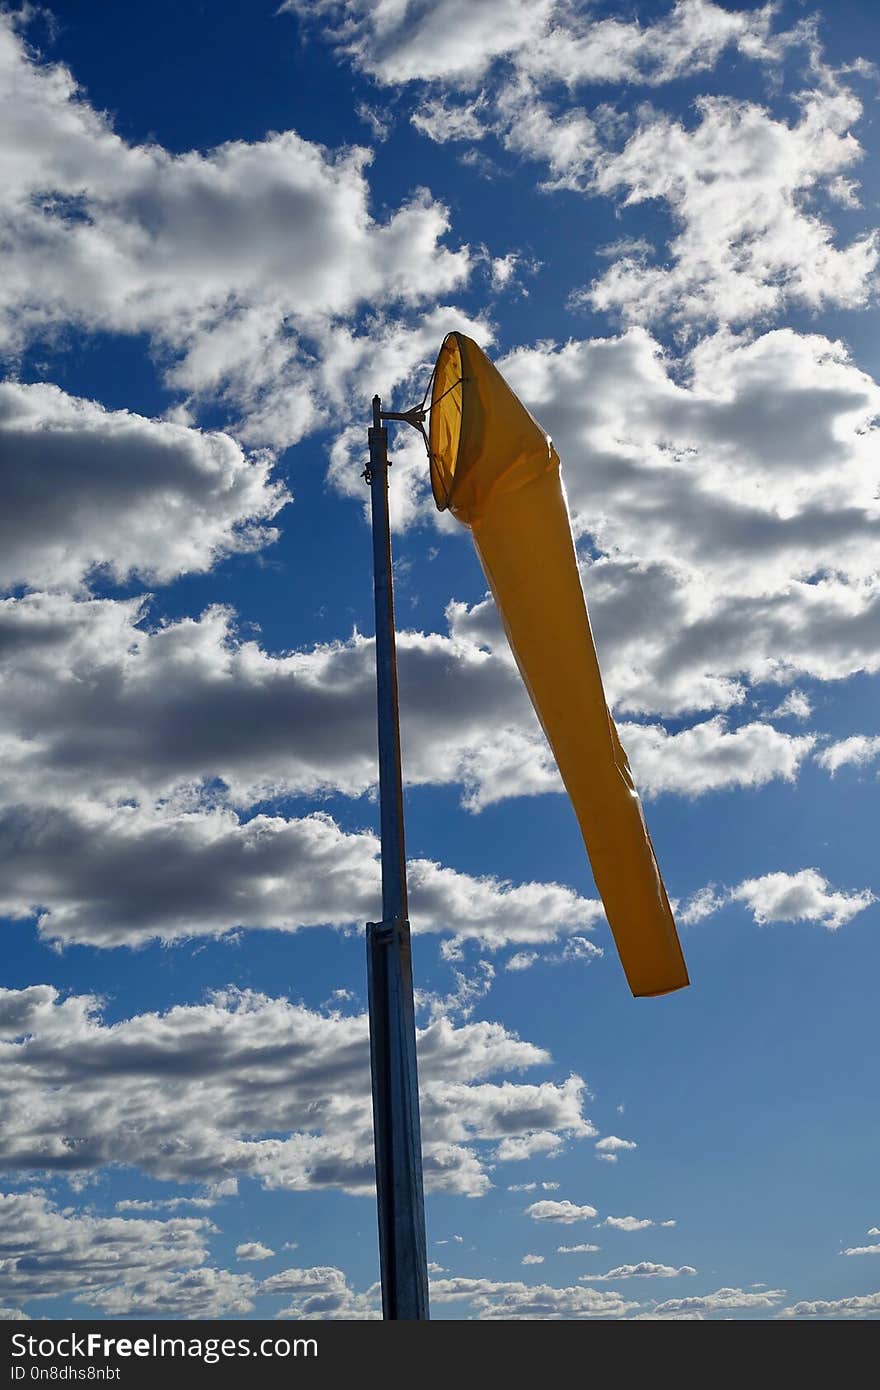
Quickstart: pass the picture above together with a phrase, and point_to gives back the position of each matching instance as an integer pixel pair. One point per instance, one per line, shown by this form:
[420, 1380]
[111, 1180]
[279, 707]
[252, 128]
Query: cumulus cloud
[805, 896]
[123, 875]
[97, 704]
[565, 1212]
[866, 1305]
[732, 522]
[856, 751]
[240, 263]
[253, 1250]
[455, 44]
[322, 1293]
[644, 1270]
[120, 1265]
[802, 897]
[862, 1250]
[84, 488]
[195, 1293]
[247, 1085]
[532, 1260]
[577, 1249]
[513, 1301]
[611, 1146]
[627, 1223]
[722, 1300]
[738, 184]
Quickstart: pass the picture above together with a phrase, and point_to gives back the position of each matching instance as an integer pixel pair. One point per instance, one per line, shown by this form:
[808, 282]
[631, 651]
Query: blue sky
[223, 233]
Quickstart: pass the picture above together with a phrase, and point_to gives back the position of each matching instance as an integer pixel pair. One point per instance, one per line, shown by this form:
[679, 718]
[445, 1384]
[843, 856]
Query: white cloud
[700, 905]
[738, 185]
[796, 705]
[565, 1212]
[866, 1305]
[806, 896]
[644, 1270]
[82, 487]
[862, 1250]
[522, 960]
[449, 40]
[733, 518]
[322, 1293]
[455, 43]
[443, 121]
[611, 1146]
[195, 1293]
[96, 704]
[577, 1249]
[239, 263]
[627, 1223]
[119, 1265]
[247, 1085]
[253, 1250]
[858, 750]
[164, 1203]
[512, 1301]
[123, 875]
[722, 1300]
[532, 1259]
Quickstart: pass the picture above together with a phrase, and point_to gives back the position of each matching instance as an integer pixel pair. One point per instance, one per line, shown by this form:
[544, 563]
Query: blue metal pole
[402, 1246]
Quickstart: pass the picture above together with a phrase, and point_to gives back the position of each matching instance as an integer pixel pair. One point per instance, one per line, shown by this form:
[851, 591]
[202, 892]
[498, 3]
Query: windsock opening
[444, 436]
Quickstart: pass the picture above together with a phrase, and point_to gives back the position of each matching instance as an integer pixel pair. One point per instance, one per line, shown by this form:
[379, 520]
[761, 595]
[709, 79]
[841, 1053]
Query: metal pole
[402, 1249]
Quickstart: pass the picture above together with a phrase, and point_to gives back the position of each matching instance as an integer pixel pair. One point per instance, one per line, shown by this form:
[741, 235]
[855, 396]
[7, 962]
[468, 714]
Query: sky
[224, 229]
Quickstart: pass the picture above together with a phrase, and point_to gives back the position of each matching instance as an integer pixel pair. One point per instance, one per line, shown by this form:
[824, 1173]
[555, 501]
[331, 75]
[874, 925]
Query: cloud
[577, 1249]
[796, 705]
[322, 1293]
[123, 875]
[858, 750]
[240, 263]
[120, 1265]
[862, 1250]
[253, 1250]
[247, 1085]
[455, 44]
[196, 1293]
[448, 41]
[865, 1305]
[532, 1259]
[806, 896]
[82, 488]
[722, 1300]
[98, 705]
[644, 1270]
[733, 527]
[738, 184]
[627, 1223]
[564, 1212]
[512, 1301]
[609, 1147]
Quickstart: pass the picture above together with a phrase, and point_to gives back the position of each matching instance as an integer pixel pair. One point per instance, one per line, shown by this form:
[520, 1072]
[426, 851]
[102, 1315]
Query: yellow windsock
[497, 471]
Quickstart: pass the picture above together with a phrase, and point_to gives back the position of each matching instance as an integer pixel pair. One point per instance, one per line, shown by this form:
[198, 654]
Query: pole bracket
[383, 933]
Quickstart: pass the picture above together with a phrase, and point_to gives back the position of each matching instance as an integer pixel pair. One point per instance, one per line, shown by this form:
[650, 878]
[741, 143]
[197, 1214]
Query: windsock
[498, 473]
